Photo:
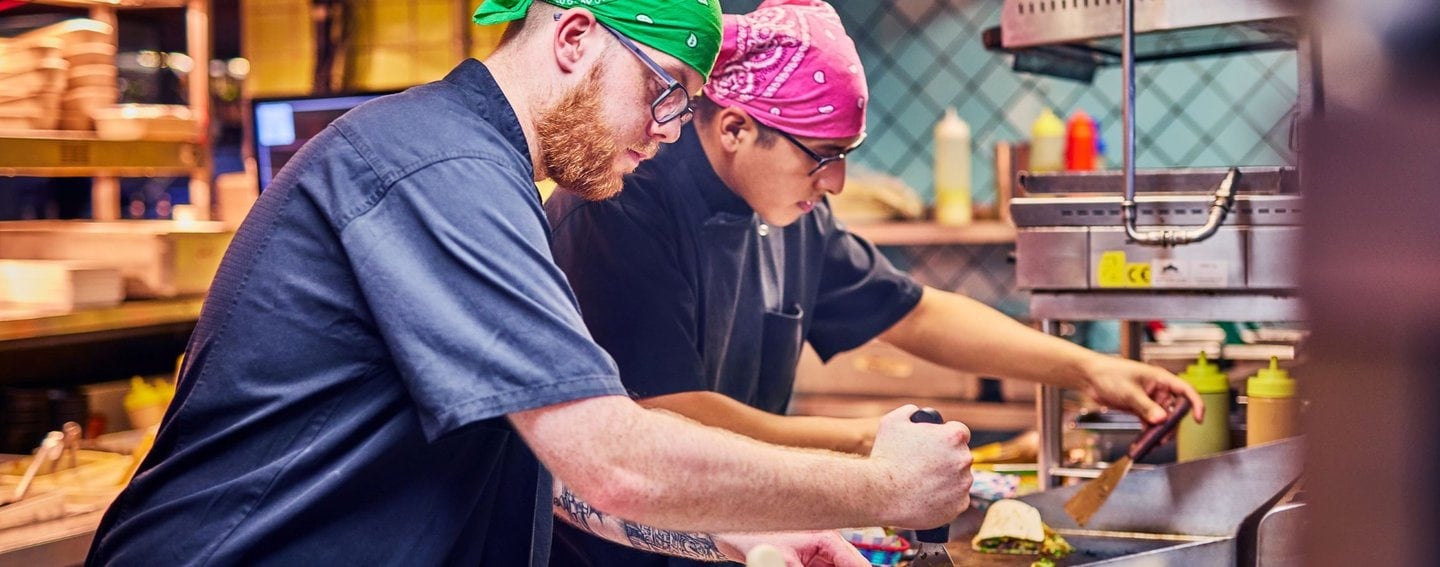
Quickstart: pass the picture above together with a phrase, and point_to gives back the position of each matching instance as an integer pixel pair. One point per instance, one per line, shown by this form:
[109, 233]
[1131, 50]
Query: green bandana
[688, 30]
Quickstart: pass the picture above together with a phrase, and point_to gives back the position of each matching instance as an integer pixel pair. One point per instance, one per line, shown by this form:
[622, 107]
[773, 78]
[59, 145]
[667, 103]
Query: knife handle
[1149, 439]
[940, 534]
[927, 415]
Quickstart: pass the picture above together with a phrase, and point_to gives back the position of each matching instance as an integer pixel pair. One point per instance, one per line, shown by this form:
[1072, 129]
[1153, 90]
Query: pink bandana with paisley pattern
[790, 65]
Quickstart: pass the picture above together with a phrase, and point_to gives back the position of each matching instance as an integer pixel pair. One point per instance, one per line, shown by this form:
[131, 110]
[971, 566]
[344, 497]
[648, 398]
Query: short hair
[706, 109]
[517, 30]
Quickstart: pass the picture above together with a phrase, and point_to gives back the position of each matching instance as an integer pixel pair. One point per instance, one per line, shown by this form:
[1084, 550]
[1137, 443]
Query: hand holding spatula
[1093, 495]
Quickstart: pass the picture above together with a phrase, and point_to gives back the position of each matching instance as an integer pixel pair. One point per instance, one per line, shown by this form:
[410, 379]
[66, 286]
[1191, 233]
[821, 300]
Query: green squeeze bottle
[1196, 440]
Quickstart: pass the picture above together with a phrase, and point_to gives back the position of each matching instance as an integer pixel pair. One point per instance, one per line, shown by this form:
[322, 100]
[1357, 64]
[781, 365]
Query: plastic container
[99, 75]
[1273, 412]
[1047, 143]
[47, 75]
[952, 170]
[145, 404]
[1080, 147]
[17, 57]
[145, 122]
[1195, 440]
[157, 258]
[92, 53]
[76, 31]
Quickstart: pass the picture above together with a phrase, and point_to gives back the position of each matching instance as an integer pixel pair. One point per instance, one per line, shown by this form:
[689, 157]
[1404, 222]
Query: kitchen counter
[60, 542]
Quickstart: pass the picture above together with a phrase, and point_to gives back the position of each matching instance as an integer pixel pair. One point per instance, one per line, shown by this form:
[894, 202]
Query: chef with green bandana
[390, 369]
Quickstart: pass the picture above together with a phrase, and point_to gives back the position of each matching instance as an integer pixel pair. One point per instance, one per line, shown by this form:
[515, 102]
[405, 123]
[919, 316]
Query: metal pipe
[1049, 423]
[1224, 197]
[1219, 209]
[1127, 110]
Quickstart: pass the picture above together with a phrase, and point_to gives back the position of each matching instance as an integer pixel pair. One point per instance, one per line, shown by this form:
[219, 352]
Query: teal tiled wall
[923, 55]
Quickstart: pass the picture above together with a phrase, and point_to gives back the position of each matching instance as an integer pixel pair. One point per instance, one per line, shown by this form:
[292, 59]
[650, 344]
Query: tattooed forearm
[578, 510]
[579, 513]
[691, 545]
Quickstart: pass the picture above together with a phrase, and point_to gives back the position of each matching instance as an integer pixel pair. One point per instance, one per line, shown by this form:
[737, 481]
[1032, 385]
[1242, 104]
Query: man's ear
[575, 37]
[736, 128]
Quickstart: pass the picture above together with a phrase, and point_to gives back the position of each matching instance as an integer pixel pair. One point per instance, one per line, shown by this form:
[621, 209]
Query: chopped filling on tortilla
[1015, 528]
[1053, 546]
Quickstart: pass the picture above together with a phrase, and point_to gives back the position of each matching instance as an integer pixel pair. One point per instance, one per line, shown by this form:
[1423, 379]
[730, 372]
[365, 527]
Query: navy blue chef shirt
[690, 290]
[388, 301]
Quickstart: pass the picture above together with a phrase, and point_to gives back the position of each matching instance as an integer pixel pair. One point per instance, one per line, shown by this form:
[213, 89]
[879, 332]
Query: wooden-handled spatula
[1092, 496]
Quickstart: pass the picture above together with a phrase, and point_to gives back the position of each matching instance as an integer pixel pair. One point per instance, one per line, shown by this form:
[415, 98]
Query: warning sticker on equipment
[1114, 271]
[1189, 273]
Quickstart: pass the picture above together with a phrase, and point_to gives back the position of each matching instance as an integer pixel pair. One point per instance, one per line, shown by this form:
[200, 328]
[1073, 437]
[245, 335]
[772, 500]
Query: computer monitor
[280, 126]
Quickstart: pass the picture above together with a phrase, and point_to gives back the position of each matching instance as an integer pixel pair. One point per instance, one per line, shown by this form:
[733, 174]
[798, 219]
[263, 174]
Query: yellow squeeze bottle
[952, 170]
[1195, 440]
[145, 404]
[1047, 143]
[1273, 411]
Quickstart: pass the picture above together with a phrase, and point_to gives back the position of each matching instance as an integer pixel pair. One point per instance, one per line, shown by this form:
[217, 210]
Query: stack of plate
[88, 49]
[32, 80]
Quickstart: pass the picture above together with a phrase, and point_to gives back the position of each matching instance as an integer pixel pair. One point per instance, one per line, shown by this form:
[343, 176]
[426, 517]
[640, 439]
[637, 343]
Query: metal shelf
[82, 154]
[930, 233]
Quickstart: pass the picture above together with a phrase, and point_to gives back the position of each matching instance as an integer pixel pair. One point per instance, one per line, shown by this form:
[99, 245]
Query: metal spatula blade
[1092, 496]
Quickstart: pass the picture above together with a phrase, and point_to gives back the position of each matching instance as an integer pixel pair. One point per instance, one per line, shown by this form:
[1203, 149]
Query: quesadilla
[1014, 527]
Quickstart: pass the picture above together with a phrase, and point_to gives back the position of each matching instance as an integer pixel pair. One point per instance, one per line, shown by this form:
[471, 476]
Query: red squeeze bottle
[1080, 142]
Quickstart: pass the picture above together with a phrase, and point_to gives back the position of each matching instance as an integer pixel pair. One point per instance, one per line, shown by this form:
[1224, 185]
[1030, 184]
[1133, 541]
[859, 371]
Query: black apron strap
[543, 523]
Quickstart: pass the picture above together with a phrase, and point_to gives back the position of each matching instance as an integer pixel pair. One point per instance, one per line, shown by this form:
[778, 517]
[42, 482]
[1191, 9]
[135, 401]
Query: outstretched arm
[959, 332]
[718, 410]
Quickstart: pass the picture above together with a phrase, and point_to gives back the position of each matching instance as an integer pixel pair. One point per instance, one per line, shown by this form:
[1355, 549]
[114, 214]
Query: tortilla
[1014, 527]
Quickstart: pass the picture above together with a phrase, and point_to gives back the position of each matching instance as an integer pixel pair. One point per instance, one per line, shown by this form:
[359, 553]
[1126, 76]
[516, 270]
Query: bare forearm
[675, 474]
[575, 511]
[961, 333]
[717, 410]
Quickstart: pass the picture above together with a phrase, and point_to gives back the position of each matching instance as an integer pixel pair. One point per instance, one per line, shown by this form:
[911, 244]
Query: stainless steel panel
[1052, 258]
[1205, 497]
[1025, 23]
[1216, 263]
[1278, 537]
[1251, 181]
[1152, 210]
[1179, 305]
[1273, 259]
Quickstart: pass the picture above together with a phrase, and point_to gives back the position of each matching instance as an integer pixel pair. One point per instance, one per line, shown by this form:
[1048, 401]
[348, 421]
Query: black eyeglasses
[820, 161]
[674, 102]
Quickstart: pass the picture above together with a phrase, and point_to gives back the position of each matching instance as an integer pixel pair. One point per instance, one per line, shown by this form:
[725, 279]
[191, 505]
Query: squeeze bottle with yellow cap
[1274, 411]
[144, 404]
[952, 170]
[1047, 143]
[1195, 440]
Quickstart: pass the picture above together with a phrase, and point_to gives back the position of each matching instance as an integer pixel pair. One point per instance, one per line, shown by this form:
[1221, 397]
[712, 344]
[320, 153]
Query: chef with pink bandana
[720, 257]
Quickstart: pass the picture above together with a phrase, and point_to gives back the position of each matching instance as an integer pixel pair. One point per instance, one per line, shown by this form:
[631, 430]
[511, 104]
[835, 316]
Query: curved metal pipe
[1224, 195]
[1219, 209]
